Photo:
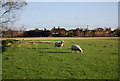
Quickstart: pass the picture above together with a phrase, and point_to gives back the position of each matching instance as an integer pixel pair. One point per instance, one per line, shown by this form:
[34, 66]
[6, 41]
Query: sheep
[59, 44]
[76, 48]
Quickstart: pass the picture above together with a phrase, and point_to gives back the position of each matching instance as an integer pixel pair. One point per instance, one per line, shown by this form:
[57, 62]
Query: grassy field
[39, 59]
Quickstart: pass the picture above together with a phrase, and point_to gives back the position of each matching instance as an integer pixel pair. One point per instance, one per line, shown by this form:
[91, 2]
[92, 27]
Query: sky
[69, 15]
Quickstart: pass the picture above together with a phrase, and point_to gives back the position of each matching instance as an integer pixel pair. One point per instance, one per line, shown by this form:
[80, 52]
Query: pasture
[39, 59]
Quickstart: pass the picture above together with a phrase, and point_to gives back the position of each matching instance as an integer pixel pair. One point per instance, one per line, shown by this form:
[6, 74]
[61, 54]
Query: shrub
[5, 42]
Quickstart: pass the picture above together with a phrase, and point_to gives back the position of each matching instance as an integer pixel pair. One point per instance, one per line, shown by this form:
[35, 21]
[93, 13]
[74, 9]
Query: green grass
[43, 61]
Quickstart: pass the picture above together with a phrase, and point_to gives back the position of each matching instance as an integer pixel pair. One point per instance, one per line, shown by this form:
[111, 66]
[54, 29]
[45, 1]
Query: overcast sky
[69, 15]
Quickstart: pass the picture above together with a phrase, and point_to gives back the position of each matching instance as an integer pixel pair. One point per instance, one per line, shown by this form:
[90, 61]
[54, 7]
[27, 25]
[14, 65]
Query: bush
[5, 42]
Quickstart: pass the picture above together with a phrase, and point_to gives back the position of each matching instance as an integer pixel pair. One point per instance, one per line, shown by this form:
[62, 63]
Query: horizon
[68, 29]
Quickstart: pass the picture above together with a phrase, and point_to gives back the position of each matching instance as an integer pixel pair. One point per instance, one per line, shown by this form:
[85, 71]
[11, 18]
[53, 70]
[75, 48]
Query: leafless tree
[8, 12]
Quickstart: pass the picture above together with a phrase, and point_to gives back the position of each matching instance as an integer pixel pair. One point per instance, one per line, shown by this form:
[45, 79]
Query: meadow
[39, 59]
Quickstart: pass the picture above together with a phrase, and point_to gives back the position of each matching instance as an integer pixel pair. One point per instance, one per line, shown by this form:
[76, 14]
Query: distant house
[59, 30]
[102, 33]
[116, 32]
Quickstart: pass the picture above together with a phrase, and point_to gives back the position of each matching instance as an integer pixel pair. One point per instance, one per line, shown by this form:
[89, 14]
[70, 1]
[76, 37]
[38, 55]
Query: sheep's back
[75, 47]
[58, 44]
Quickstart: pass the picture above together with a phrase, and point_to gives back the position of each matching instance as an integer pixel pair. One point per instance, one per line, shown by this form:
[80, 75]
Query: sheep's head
[81, 51]
[62, 41]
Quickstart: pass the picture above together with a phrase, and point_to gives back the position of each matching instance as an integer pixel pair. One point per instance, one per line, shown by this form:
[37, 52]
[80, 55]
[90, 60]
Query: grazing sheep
[76, 48]
[59, 44]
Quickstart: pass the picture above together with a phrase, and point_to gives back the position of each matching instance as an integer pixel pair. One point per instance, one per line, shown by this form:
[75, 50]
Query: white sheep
[76, 48]
[59, 44]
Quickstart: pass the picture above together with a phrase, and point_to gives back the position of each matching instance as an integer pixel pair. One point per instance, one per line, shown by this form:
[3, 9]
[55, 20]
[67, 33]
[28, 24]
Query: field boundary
[59, 38]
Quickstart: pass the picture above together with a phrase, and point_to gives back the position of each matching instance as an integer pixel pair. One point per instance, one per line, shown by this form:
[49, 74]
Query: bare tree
[8, 12]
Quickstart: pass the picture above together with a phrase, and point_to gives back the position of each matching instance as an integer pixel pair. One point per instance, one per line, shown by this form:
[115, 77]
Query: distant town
[62, 32]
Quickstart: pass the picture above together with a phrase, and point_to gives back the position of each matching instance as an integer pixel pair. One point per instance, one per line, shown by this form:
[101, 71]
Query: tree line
[61, 32]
